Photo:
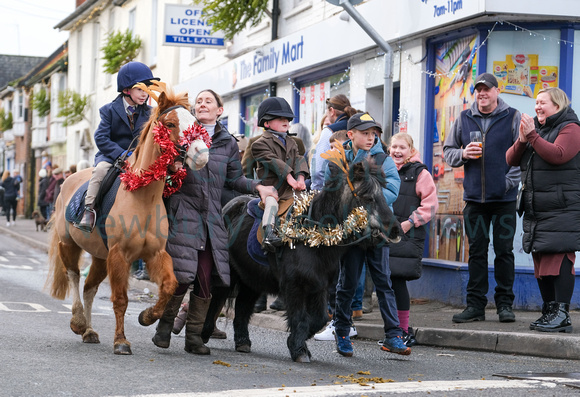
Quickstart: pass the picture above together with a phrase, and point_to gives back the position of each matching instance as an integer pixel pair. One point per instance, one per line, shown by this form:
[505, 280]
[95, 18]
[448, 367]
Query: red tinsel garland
[158, 170]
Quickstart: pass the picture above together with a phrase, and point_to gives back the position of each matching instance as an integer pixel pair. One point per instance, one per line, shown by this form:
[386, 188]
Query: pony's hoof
[78, 329]
[244, 349]
[123, 349]
[145, 317]
[303, 358]
[91, 337]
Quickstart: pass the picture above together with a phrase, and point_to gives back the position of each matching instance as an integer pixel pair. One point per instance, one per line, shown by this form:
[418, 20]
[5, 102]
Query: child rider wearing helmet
[121, 121]
[278, 162]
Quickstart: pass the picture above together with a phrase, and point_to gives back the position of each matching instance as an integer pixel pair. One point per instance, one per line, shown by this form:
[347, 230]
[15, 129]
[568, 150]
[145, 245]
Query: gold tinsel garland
[298, 228]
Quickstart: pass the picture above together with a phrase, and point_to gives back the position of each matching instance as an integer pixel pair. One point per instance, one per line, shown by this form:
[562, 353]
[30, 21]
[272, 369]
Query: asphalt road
[40, 356]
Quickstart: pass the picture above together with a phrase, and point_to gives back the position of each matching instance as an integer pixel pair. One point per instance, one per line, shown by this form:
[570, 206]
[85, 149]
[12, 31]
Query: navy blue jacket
[487, 179]
[114, 134]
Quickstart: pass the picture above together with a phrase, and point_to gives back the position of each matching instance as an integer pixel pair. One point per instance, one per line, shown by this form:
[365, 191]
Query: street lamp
[348, 6]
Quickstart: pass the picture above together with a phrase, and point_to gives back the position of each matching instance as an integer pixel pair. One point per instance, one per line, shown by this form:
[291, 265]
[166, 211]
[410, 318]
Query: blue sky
[27, 26]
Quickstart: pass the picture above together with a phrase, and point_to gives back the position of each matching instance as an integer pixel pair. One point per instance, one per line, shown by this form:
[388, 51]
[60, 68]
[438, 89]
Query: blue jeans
[360, 289]
[351, 265]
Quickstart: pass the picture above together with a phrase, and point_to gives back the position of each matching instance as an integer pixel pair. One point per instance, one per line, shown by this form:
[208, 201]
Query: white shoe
[328, 332]
[352, 331]
[7, 224]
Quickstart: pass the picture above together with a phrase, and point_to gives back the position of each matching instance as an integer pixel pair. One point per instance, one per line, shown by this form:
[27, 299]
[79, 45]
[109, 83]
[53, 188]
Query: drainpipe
[383, 45]
[275, 16]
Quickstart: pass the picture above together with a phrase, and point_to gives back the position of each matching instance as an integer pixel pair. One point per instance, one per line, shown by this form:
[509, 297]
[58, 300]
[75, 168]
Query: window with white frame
[110, 25]
[79, 59]
[132, 16]
[153, 46]
[96, 31]
[20, 104]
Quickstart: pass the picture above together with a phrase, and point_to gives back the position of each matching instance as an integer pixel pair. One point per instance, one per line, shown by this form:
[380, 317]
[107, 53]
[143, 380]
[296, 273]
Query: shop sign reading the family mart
[185, 26]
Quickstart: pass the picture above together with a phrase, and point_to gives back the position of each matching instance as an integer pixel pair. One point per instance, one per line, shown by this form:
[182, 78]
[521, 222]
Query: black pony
[302, 274]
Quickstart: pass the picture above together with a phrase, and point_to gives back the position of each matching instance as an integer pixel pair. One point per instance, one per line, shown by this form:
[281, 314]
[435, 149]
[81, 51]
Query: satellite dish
[337, 2]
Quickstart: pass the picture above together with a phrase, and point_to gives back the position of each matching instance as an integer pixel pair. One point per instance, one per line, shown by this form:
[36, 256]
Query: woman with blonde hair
[548, 153]
[415, 206]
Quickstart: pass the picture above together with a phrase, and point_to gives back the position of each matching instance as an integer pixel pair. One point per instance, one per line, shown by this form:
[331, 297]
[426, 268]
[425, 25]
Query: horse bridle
[182, 150]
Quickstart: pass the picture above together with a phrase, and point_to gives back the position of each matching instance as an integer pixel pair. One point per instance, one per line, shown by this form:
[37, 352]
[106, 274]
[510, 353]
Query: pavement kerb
[26, 240]
[539, 345]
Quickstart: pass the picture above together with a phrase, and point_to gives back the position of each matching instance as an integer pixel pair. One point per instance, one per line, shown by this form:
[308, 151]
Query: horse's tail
[57, 279]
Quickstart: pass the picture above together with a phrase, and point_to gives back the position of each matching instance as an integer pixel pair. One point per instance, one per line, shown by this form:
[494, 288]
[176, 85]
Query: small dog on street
[39, 220]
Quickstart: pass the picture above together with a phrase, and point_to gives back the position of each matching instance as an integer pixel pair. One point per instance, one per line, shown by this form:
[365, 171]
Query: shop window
[575, 62]
[249, 113]
[455, 67]
[313, 95]
[524, 62]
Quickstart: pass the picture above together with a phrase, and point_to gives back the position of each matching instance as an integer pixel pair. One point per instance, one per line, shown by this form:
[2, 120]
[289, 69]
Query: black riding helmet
[273, 108]
[133, 73]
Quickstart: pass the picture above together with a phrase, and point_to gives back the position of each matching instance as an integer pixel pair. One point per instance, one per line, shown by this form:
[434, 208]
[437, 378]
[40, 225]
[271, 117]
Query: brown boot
[179, 322]
[162, 335]
[198, 308]
[87, 223]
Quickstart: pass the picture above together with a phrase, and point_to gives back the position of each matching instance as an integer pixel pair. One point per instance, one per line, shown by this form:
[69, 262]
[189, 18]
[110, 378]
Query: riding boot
[179, 322]
[196, 314]
[87, 223]
[558, 320]
[163, 332]
[271, 240]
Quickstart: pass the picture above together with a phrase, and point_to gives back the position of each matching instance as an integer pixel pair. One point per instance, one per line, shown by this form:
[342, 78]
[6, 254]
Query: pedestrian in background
[301, 132]
[478, 141]
[338, 111]
[43, 205]
[414, 208]
[548, 152]
[11, 187]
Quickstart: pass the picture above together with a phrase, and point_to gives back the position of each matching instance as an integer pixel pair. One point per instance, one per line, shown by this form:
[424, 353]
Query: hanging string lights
[559, 41]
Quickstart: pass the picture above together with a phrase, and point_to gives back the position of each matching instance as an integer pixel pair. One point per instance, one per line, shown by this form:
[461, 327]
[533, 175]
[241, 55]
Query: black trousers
[502, 218]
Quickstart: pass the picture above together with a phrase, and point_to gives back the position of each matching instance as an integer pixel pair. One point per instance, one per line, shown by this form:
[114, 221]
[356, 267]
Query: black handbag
[520, 196]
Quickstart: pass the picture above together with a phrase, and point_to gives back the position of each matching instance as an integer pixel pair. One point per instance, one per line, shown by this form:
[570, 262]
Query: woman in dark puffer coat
[548, 152]
[198, 237]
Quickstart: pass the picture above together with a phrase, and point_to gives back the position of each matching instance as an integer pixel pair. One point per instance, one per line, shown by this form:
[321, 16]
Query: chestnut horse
[136, 228]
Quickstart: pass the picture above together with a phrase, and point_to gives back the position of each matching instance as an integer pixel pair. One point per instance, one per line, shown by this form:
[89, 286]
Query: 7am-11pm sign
[185, 26]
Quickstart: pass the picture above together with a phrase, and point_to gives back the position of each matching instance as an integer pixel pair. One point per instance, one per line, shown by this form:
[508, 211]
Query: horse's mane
[365, 176]
[167, 99]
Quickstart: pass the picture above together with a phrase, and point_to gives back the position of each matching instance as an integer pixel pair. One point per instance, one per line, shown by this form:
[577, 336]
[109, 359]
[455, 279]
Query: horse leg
[160, 269]
[118, 271]
[298, 319]
[318, 308]
[97, 273]
[245, 302]
[69, 255]
[218, 300]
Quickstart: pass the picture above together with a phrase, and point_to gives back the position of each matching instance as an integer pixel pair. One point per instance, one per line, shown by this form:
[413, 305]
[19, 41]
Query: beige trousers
[99, 173]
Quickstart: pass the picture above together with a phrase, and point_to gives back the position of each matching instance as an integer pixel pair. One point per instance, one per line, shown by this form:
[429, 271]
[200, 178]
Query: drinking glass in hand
[475, 136]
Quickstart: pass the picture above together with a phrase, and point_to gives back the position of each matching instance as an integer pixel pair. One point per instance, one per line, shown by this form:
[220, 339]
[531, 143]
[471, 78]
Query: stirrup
[87, 223]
